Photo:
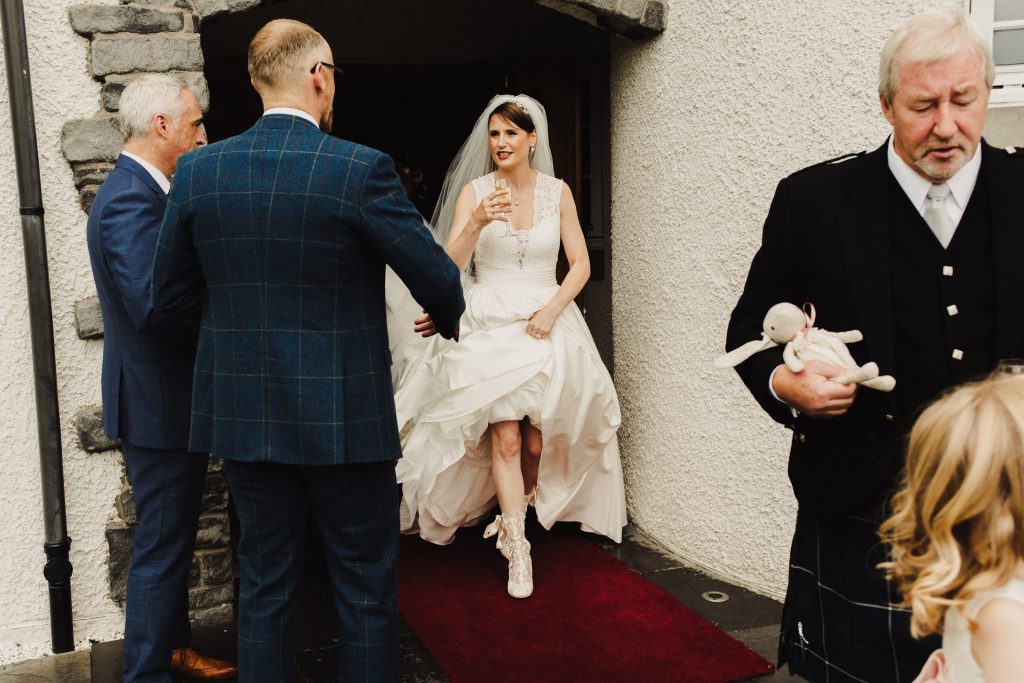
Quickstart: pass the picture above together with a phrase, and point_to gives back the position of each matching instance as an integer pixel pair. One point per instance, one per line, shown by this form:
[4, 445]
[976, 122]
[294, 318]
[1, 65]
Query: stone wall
[211, 580]
[126, 41]
[82, 53]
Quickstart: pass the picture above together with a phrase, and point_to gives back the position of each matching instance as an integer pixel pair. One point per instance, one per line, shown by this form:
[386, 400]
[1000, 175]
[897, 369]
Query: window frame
[1008, 89]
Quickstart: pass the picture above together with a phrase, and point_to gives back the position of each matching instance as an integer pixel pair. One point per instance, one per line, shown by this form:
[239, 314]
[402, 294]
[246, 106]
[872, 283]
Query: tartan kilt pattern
[839, 623]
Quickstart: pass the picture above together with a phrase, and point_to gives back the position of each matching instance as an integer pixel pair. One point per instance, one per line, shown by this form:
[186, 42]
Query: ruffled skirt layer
[450, 393]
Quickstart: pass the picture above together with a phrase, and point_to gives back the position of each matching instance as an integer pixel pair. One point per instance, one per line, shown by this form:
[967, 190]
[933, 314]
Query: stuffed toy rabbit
[786, 324]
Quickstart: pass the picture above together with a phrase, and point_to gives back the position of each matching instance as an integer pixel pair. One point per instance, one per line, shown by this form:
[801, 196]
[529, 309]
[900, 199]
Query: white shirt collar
[157, 174]
[961, 185]
[289, 111]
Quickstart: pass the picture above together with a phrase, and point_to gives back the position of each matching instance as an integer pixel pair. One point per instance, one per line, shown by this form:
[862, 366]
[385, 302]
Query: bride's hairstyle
[515, 113]
[474, 157]
[957, 528]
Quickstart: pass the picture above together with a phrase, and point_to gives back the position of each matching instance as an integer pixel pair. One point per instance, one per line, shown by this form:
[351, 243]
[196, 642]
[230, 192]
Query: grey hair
[930, 37]
[147, 96]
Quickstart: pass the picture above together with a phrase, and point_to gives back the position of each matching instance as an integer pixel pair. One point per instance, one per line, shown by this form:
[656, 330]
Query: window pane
[1008, 47]
[1009, 10]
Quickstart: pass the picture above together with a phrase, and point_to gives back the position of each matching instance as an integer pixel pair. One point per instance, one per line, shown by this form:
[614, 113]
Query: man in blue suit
[286, 231]
[147, 379]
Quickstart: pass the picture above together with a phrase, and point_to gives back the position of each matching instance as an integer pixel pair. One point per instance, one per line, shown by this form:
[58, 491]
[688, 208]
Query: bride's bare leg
[506, 445]
[533, 444]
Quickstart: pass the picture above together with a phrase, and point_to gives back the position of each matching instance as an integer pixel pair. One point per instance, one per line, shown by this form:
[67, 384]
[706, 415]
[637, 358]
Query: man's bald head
[283, 50]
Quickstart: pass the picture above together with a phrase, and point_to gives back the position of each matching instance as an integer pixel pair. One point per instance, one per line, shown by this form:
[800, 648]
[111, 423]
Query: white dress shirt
[157, 174]
[961, 185]
[289, 111]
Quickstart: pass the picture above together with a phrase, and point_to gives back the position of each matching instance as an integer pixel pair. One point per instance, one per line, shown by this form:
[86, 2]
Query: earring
[532, 150]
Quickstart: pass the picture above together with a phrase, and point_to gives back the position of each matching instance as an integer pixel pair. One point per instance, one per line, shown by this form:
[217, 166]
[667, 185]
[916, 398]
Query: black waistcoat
[944, 300]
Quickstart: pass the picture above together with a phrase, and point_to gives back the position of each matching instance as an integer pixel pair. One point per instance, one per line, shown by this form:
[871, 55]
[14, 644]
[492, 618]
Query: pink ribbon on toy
[809, 317]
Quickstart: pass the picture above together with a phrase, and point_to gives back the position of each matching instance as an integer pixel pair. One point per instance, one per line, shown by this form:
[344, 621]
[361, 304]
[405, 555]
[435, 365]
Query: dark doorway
[416, 76]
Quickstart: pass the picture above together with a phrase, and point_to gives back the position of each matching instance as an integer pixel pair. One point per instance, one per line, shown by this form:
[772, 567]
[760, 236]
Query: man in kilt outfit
[919, 245]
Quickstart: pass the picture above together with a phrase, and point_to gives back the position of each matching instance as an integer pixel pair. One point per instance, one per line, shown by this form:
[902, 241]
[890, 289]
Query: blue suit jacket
[287, 230]
[147, 357]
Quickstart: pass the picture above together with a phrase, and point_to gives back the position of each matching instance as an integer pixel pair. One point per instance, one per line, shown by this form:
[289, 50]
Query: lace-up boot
[520, 566]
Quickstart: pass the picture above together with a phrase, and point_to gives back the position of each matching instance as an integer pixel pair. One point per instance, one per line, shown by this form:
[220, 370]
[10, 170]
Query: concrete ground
[748, 617]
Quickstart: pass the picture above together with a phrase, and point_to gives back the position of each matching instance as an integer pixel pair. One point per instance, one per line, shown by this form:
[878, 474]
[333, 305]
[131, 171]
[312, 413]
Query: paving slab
[70, 667]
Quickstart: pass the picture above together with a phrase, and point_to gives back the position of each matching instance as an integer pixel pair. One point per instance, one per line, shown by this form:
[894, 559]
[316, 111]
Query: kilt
[839, 622]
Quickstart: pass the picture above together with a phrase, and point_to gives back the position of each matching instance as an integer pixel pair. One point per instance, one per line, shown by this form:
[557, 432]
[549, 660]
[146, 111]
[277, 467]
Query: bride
[521, 408]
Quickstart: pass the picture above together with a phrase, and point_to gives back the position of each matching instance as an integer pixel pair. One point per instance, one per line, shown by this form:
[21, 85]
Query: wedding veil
[474, 160]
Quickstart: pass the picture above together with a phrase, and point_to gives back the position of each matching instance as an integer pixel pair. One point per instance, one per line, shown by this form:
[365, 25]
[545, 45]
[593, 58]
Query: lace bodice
[533, 250]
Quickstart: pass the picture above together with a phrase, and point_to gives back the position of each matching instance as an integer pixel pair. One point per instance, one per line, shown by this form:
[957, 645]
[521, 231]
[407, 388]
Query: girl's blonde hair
[957, 528]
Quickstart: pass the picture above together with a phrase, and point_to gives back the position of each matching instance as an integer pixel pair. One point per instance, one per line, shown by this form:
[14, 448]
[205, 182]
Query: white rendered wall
[706, 120]
[62, 90]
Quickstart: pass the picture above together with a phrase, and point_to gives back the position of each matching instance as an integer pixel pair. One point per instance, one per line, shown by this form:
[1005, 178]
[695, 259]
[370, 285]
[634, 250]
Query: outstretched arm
[395, 229]
[579, 267]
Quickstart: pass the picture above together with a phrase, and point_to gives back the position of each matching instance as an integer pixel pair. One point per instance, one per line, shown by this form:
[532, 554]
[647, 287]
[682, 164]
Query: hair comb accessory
[521, 106]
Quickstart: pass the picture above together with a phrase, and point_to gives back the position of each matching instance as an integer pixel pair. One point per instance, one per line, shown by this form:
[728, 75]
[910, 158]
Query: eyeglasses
[336, 69]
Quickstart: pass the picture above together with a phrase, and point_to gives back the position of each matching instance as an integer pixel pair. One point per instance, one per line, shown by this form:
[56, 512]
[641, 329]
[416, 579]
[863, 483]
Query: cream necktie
[937, 216]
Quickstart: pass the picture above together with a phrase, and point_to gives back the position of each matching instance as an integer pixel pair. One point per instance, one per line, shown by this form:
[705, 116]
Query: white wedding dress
[448, 394]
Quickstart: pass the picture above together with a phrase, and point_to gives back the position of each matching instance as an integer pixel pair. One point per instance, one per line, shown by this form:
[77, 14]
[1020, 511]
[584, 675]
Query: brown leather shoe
[188, 663]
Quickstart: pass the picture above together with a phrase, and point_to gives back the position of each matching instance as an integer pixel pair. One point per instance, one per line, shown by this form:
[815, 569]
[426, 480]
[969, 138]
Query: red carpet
[590, 618]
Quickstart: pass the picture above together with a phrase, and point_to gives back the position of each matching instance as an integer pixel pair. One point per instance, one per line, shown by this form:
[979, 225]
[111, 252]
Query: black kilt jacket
[826, 241]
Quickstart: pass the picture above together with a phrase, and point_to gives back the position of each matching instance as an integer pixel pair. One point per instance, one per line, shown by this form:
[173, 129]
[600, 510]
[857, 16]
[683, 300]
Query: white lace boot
[520, 566]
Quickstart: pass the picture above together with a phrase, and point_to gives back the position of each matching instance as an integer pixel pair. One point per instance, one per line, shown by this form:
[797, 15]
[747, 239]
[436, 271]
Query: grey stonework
[90, 19]
[89, 318]
[125, 505]
[214, 531]
[88, 178]
[211, 578]
[221, 614]
[88, 424]
[115, 83]
[120, 539]
[635, 19]
[215, 566]
[211, 8]
[91, 174]
[91, 140]
[126, 53]
[211, 596]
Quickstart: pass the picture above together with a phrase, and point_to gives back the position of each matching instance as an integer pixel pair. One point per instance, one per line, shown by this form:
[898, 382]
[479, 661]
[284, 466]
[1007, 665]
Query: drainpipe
[57, 544]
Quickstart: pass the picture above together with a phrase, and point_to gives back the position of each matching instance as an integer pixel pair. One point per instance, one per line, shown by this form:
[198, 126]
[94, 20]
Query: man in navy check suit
[147, 379]
[286, 232]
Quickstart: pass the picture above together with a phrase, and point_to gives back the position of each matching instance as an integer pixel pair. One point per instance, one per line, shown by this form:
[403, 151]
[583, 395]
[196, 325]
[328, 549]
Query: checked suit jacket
[147, 357]
[286, 232]
[826, 240]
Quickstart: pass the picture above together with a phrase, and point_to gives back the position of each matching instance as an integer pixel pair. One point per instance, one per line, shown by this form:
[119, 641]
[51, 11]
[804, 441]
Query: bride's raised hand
[494, 207]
